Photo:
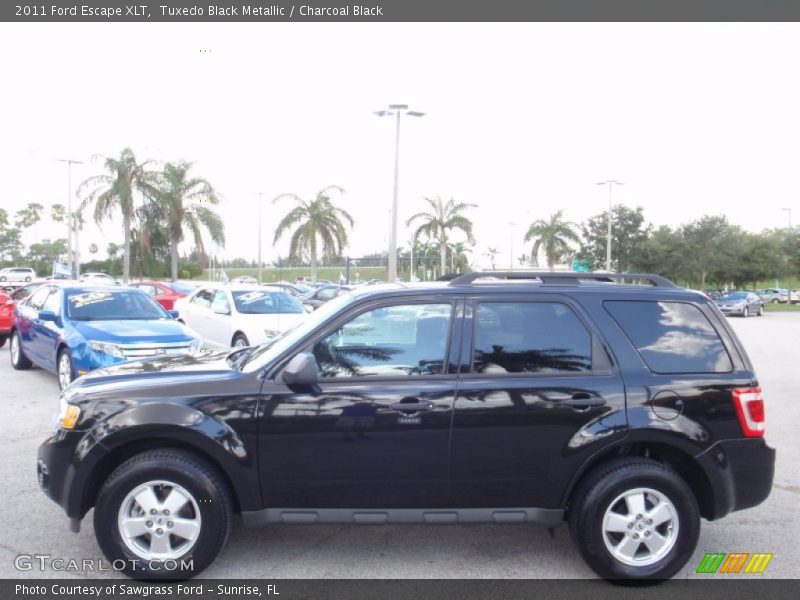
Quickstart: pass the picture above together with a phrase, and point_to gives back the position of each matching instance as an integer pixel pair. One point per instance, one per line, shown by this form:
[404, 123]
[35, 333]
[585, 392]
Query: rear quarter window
[671, 337]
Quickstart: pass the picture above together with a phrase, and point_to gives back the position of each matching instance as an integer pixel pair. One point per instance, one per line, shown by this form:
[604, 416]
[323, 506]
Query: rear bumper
[740, 473]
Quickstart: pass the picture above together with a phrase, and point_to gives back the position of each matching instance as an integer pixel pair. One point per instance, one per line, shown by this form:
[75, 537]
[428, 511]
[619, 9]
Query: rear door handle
[412, 407]
[584, 400]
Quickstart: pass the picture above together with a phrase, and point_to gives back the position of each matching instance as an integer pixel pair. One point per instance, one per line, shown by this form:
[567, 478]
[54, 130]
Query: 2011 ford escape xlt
[629, 410]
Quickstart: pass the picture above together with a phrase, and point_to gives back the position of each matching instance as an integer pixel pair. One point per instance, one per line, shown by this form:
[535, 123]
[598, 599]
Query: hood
[134, 331]
[177, 367]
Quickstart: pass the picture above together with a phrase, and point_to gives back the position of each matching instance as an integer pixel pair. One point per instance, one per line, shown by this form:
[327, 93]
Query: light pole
[395, 110]
[70, 216]
[260, 211]
[789, 285]
[610, 183]
[511, 248]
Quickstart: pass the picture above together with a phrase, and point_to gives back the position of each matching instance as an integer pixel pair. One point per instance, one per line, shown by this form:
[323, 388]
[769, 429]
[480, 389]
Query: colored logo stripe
[758, 563]
[733, 563]
[711, 562]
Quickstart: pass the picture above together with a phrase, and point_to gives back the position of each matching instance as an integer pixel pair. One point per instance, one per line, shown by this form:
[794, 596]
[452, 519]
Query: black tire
[195, 476]
[745, 312]
[240, 339]
[3, 339]
[760, 312]
[21, 362]
[596, 495]
[27, 280]
[69, 377]
[2, 278]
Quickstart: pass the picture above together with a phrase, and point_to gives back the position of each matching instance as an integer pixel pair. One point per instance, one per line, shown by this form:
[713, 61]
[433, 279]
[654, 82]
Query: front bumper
[60, 477]
[740, 473]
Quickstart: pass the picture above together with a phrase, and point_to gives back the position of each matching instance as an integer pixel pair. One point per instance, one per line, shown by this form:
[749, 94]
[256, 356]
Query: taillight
[749, 405]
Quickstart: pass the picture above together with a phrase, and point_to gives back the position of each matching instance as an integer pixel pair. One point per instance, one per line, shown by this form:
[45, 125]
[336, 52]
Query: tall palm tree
[318, 225]
[184, 203]
[29, 216]
[114, 191]
[491, 254]
[440, 221]
[58, 213]
[551, 236]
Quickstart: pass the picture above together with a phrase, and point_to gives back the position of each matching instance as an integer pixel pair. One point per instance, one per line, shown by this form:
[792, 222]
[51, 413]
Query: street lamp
[70, 217]
[789, 210]
[260, 211]
[789, 285]
[395, 110]
[511, 247]
[610, 183]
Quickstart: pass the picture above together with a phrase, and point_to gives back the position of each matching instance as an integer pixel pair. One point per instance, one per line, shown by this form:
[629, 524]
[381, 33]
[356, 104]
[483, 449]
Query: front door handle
[584, 400]
[413, 405]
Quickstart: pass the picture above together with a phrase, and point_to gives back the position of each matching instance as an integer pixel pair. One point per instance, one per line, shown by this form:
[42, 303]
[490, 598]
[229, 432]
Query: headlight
[196, 346]
[270, 333]
[108, 349]
[68, 414]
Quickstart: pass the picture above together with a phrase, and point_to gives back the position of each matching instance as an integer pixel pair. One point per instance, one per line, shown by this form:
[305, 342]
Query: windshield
[734, 296]
[269, 351]
[265, 303]
[113, 305]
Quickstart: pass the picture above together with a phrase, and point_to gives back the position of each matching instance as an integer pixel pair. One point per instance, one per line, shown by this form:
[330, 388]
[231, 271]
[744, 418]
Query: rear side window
[530, 337]
[671, 337]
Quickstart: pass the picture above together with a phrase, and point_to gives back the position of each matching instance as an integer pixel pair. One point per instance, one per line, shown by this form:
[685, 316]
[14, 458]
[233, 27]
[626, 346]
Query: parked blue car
[70, 329]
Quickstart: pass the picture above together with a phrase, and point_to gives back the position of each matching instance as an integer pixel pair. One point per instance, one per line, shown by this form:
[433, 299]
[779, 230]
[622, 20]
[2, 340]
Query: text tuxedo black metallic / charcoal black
[629, 410]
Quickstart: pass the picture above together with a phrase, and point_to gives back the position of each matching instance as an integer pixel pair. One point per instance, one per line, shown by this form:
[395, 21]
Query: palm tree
[552, 237]
[318, 224]
[58, 213]
[184, 202]
[29, 216]
[114, 191]
[442, 218]
[492, 253]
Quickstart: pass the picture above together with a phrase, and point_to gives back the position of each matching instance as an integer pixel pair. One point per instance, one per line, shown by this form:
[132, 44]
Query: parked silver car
[773, 295]
[741, 303]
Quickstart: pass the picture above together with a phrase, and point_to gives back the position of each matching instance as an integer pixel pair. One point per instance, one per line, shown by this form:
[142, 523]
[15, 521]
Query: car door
[218, 326]
[537, 390]
[48, 333]
[374, 431]
[197, 310]
[27, 321]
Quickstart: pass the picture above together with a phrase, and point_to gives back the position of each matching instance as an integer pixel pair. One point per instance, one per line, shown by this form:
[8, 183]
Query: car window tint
[36, 301]
[53, 302]
[530, 337]
[326, 293]
[405, 340]
[220, 302]
[203, 298]
[671, 337]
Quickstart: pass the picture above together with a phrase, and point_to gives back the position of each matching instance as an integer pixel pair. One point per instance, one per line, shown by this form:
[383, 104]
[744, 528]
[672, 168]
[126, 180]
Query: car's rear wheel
[635, 520]
[164, 514]
[18, 359]
[240, 341]
[65, 371]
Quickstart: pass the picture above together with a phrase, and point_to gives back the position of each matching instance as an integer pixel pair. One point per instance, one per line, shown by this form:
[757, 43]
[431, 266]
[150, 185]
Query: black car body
[323, 294]
[492, 401]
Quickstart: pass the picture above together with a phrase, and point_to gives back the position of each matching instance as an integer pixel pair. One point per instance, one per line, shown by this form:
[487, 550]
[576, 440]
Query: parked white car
[239, 315]
[98, 278]
[17, 274]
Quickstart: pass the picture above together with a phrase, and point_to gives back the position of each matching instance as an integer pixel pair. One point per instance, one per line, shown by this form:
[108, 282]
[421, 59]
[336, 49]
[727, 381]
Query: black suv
[621, 404]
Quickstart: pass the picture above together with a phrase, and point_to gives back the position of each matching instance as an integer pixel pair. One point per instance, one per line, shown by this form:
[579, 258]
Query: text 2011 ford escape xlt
[629, 410]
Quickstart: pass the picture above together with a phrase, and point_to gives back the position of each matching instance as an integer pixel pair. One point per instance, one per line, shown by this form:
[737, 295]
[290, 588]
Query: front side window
[53, 302]
[265, 303]
[405, 340]
[203, 298]
[220, 303]
[671, 337]
[36, 301]
[530, 337]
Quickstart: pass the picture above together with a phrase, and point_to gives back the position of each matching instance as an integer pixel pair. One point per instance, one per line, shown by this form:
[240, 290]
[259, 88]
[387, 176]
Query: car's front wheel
[18, 359]
[745, 313]
[65, 371]
[3, 339]
[760, 312]
[635, 520]
[240, 341]
[164, 514]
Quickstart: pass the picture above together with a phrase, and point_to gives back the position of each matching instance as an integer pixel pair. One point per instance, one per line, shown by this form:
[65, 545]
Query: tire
[64, 369]
[760, 312]
[3, 339]
[18, 359]
[3, 278]
[774, 300]
[745, 313]
[240, 341]
[27, 280]
[203, 503]
[603, 525]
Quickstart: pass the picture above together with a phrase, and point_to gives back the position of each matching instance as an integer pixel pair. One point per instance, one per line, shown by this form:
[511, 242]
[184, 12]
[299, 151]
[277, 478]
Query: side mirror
[174, 314]
[47, 315]
[301, 370]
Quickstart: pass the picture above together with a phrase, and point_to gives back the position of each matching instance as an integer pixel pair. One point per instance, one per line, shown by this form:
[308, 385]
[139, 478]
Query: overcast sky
[521, 119]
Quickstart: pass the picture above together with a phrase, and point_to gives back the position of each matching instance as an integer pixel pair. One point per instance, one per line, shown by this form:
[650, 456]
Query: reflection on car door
[536, 386]
[28, 318]
[218, 326]
[374, 431]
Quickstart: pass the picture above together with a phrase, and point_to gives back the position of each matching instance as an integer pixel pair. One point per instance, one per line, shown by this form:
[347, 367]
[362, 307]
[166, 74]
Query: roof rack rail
[564, 277]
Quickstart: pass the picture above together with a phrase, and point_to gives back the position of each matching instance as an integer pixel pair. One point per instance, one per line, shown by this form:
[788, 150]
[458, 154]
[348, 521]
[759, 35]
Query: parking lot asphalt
[34, 525]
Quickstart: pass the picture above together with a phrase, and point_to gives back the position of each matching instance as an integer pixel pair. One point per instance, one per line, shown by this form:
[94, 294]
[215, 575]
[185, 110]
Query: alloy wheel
[640, 527]
[64, 370]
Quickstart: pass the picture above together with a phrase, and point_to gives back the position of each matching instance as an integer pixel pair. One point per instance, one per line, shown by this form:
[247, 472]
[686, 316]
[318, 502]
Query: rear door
[537, 394]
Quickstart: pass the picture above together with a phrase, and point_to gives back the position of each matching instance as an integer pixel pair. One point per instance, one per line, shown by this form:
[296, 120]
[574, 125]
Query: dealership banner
[376, 11]
[400, 589]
